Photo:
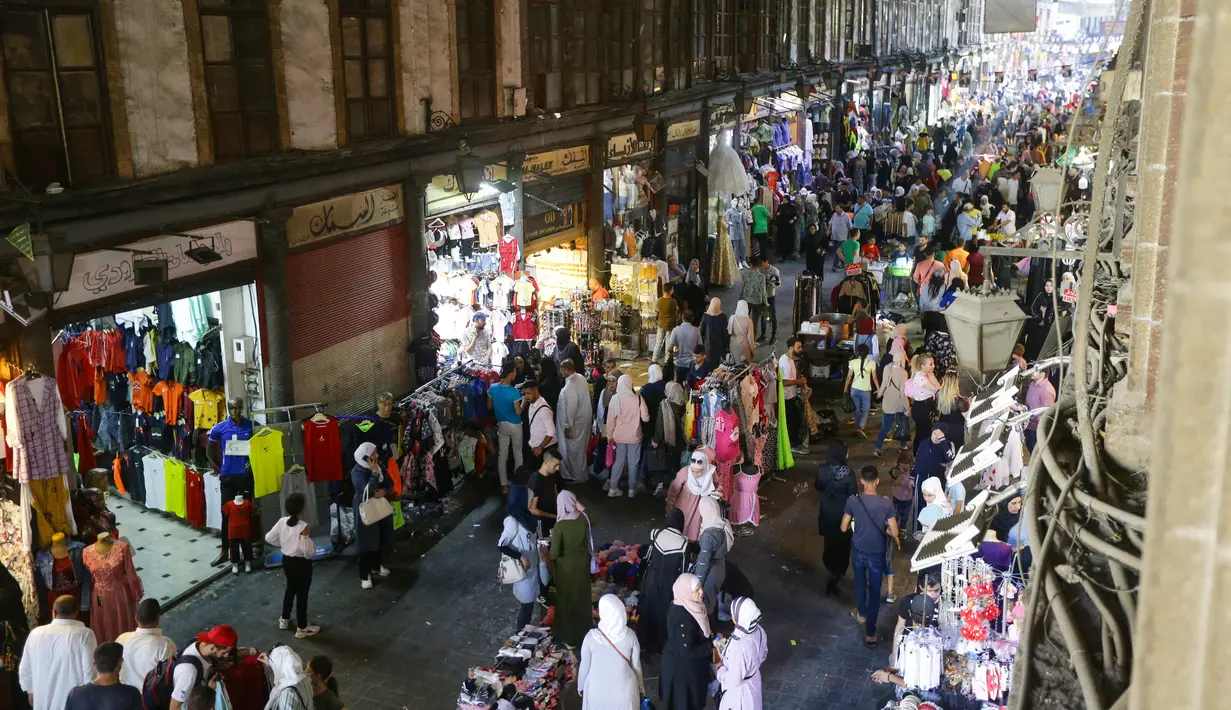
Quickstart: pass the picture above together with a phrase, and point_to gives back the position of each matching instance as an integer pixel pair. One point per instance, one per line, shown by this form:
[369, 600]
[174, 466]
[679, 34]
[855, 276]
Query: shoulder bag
[510, 570]
[645, 701]
[884, 530]
[590, 535]
[373, 510]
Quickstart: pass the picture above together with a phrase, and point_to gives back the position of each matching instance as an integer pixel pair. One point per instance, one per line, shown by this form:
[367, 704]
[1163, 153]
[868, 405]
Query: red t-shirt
[239, 520]
[322, 450]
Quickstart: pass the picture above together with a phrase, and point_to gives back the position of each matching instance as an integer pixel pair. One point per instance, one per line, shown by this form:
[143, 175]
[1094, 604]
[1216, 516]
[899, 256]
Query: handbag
[610, 453]
[510, 570]
[590, 534]
[373, 510]
[645, 701]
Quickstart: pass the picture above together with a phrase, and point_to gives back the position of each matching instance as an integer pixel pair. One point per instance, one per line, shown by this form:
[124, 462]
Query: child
[239, 531]
[324, 686]
[903, 496]
[929, 224]
[290, 534]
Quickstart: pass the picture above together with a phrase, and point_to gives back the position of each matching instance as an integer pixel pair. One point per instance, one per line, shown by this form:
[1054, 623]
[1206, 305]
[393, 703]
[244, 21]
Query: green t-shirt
[760, 219]
[850, 250]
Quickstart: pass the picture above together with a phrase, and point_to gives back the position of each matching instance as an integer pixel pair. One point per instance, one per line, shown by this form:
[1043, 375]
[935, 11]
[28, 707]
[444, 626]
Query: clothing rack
[429, 383]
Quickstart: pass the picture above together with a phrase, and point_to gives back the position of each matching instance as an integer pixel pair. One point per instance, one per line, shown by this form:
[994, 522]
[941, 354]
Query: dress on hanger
[117, 590]
[724, 271]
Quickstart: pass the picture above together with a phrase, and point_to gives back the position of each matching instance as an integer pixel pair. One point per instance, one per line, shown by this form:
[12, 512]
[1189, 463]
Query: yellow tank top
[268, 462]
[176, 487]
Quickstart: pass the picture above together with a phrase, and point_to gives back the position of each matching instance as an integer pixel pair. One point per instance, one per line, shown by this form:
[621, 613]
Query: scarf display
[684, 590]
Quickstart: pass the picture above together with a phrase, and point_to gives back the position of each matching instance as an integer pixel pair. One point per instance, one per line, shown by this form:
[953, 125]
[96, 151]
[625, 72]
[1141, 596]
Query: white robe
[605, 680]
[58, 657]
[573, 410]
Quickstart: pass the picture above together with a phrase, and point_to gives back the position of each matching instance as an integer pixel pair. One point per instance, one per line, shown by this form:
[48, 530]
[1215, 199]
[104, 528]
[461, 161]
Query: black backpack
[159, 683]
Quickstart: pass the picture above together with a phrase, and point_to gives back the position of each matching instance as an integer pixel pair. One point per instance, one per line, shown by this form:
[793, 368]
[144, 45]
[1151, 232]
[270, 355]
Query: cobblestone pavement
[408, 642]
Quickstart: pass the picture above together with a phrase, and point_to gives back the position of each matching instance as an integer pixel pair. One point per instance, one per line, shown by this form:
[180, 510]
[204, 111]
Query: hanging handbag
[590, 535]
[646, 704]
[511, 570]
[373, 510]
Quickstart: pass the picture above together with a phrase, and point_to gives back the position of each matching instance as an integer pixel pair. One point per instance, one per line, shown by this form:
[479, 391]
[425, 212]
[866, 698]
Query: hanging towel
[785, 460]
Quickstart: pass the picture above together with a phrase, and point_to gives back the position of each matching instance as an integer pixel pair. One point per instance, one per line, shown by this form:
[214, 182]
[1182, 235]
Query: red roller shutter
[349, 310]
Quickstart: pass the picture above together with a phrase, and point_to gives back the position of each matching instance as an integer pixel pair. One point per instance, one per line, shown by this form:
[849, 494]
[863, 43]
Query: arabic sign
[551, 221]
[555, 162]
[853, 269]
[1069, 295]
[622, 148]
[102, 274]
[344, 215]
[684, 130]
[722, 115]
[443, 195]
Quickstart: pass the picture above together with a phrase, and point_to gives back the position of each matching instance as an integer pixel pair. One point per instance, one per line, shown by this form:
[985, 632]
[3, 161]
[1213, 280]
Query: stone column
[702, 231]
[281, 391]
[595, 244]
[415, 210]
[1182, 654]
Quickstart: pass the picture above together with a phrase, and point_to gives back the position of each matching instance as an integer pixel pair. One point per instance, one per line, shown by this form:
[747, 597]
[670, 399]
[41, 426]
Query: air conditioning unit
[515, 101]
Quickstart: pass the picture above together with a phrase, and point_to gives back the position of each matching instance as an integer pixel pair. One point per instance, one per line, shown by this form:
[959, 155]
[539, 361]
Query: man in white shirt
[1006, 220]
[146, 647]
[57, 658]
[542, 423]
[790, 393]
[910, 228]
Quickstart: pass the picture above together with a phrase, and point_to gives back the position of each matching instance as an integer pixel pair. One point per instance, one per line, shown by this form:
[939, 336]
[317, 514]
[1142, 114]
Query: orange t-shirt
[172, 394]
[100, 386]
[143, 391]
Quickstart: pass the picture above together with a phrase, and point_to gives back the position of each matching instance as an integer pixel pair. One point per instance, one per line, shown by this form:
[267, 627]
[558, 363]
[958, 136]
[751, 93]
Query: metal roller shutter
[349, 311]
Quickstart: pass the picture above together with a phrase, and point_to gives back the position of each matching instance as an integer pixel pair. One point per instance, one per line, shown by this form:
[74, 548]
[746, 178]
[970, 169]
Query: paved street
[408, 642]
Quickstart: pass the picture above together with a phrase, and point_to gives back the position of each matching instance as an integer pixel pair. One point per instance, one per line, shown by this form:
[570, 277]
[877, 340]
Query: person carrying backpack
[169, 684]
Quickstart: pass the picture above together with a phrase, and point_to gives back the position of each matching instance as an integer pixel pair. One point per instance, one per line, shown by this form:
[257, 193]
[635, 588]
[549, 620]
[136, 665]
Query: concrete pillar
[1182, 655]
[281, 388]
[1164, 98]
[702, 231]
[519, 205]
[595, 243]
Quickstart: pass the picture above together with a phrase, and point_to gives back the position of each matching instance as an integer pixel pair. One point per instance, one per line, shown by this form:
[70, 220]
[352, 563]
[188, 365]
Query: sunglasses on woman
[699, 459]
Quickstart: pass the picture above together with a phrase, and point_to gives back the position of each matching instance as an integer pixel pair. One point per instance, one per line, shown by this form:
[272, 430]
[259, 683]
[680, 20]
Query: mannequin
[61, 572]
[117, 588]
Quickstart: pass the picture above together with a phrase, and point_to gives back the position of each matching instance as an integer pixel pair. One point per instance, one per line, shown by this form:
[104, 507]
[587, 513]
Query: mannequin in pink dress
[117, 588]
[726, 448]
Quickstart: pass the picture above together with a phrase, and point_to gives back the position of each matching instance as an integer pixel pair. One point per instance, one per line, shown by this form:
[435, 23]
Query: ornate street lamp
[984, 328]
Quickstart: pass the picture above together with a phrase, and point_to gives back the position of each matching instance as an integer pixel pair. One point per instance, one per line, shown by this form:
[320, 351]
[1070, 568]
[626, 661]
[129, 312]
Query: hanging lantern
[831, 80]
[645, 126]
[873, 73]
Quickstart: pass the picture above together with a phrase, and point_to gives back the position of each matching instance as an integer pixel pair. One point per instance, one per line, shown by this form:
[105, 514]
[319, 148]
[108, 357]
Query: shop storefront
[628, 194]
[143, 373]
[680, 170]
[555, 188]
[347, 279]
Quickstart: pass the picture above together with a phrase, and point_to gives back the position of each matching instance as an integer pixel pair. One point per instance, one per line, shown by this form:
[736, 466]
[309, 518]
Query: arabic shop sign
[551, 221]
[622, 148]
[684, 130]
[344, 215]
[555, 162]
[103, 274]
[722, 115]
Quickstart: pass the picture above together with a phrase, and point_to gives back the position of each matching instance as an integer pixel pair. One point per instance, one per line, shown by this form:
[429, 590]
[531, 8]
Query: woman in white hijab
[938, 506]
[610, 674]
[372, 540]
[742, 333]
[292, 688]
[717, 537]
[739, 672]
[693, 483]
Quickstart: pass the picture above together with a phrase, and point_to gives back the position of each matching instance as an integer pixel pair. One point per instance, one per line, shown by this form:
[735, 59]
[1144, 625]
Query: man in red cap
[196, 664]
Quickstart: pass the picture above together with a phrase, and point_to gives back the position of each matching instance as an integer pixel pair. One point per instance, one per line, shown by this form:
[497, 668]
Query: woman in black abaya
[1042, 317]
[668, 559]
[836, 484]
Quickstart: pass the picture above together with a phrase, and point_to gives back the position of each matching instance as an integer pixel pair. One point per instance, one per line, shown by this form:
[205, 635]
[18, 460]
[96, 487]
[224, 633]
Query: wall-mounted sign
[551, 221]
[722, 115]
[442, 193]
[344, 215]
[555, 162]
[103, 274]
[622, 148]
[684, 130]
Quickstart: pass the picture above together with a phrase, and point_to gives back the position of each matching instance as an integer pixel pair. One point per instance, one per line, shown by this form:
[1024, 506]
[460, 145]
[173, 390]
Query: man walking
[683, 340]
[106, 692]
[790, 392]
[773, 279]
[573, 418]
[146, 647]
[839, 228]
[505, 400]
[57, 658]
[756, 294]
[871, 514]
[668, 316]
[541, 423]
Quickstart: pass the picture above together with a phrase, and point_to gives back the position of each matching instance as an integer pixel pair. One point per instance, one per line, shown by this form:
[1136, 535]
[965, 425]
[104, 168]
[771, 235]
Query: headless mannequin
[104, 544]
[59, 546]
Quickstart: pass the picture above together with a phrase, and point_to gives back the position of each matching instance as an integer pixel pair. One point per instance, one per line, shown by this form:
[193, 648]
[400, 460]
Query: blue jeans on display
[869, 569]
[110, 434]
[899, 423]
[741, 254]
[863, 402]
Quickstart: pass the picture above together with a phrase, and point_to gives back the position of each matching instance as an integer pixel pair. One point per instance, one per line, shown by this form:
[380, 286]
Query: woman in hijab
[518, 542]
[717, 537]
[714, 332]
[566, 349]
[1042, 317]
[693, 277]
[931, 295]
[550, 382]
[625, 415]
[739, 669]
[743, 334]
[571, 552]
[375, 539]
[666, 561]
[609, 677]
[689, 651]
[292, 688]
[836, 485]
[692, 483]
[668, 439]
[1007, 518]
[938, 506]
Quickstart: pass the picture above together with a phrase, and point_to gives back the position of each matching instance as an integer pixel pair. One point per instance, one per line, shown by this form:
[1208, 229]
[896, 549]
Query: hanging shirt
[487, 223]
[207, 408]
[508, 254]
[172, 394]
[268, 463]
[176, 487]
[143, 391]
[213, 501]
[227, 429]
[322, 449]
[523, 294]
[154, 473]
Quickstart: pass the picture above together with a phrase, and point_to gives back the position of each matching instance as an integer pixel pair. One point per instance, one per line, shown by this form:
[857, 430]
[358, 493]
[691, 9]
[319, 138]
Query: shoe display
[307, 631]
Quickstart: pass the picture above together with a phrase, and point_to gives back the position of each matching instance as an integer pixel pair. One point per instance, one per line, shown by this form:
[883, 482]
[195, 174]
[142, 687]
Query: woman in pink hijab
[688, 653]
[692, 483]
